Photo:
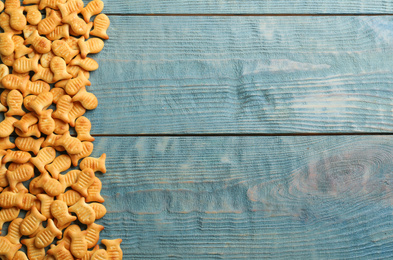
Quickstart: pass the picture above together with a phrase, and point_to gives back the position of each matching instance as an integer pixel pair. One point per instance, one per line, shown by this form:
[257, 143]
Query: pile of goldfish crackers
[51, 209]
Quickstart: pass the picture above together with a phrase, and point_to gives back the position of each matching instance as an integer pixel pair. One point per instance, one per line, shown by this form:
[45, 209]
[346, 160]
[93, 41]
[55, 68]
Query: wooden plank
[245, 75]
[248, 7]
[316, 197]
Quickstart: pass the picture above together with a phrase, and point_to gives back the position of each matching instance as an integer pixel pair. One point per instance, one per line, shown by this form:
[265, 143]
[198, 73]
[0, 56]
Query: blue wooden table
[247, 129]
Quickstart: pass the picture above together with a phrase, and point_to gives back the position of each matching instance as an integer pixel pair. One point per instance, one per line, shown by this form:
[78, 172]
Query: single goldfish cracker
[28, 30]
[71, 144]
[17, 19]
[50, 3]
[60, 164]
[94, 45]
[72, 6]
[96, 164]
[28, 201]
[61, 127]
[76, 111]
[69, 178]
[35, 190]
[85, 179]
[78, 246]
[84, 212]
[14, 103]
[63, 108]
[5, 143]
[42, 102]
[13, 82]
[14, 234]
[8, 60]
[27, 100]
[46, 124]
[7, 215]
[20, 255]
[32, 251]
[7, 45]
[57, 94]
[23, 173]
[77, 25]
[59, 210]
[31, 131]
[86, 63]
[20, 49]
[33, 15]
[31, 222]
[51, 186]
[45, 156]
[11, 199]
[8, 249]
[61, 49]
[3, 176]
[93, 234]
[4, 71]
[23, 65]
[99, 209]
[74, 71]
[74, 85]
[59, 69]
[92, 8]
[94, 192]
[101, 25]
[61, 31]
[70, 197]
[29, 144]
[113, 248]
[45, 74]
[36, 88]
[40, 44]
[49, 24]
[87, 150]
[82, 128]
[46, 236]
[60, 252]
[87, 99]
[16, 156]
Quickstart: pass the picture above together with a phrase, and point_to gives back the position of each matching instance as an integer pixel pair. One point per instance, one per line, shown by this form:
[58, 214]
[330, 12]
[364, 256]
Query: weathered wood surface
[247, 7]
[249, 197]
[245, 75]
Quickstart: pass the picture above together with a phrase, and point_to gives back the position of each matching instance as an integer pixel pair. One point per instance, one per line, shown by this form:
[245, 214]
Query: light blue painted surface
[249, 197]
[245, 75]
[247, 6]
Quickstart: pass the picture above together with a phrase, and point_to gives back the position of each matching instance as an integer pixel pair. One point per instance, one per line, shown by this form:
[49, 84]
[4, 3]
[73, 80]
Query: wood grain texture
[249, 197]
[176, 75]
[247, 7]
